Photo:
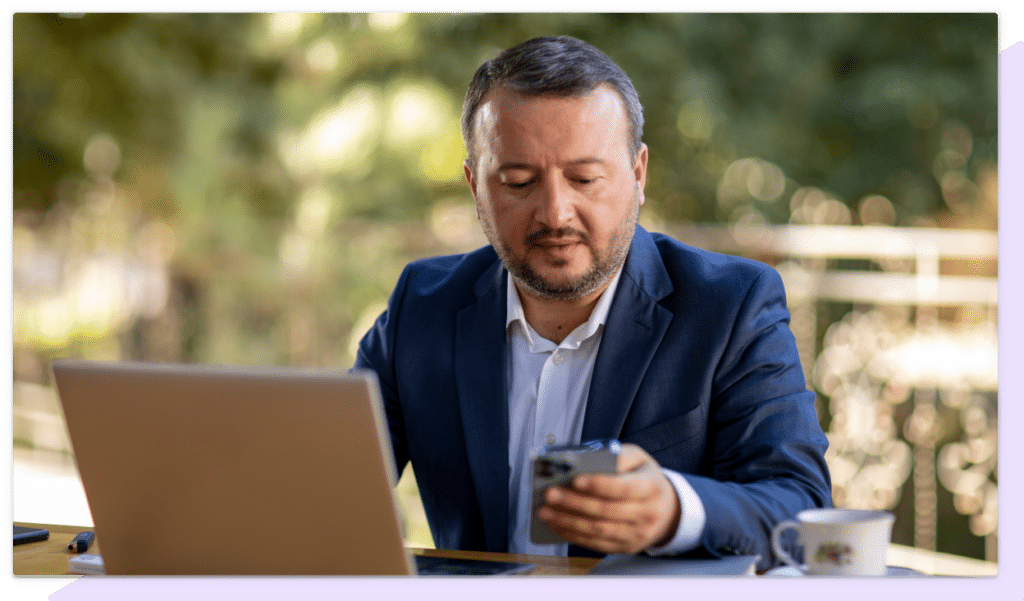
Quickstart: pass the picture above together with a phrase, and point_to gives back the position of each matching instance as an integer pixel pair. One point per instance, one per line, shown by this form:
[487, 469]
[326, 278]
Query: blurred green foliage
[839, 101]
[295, 163]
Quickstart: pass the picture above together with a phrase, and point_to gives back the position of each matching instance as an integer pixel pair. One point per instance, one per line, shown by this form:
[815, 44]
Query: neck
[556, 319]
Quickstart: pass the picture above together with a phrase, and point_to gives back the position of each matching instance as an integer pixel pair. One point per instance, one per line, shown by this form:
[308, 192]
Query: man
[576, 324]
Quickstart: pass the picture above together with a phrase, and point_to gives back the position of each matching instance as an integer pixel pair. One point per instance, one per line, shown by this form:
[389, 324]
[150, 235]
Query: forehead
[511, 122]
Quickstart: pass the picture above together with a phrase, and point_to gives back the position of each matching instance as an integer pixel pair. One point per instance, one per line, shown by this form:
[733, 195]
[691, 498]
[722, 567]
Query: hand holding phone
[635, 508]
[557, 466]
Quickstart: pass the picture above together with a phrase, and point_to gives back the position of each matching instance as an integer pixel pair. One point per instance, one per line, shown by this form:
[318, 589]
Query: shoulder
[458, 274]
[691, 267]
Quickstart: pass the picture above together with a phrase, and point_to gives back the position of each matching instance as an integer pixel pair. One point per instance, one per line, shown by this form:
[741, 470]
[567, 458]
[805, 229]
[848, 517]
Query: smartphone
[557, 466]
[24, 534]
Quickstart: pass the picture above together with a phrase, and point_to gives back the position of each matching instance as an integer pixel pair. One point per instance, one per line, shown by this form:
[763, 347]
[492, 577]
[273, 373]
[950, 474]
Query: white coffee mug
[839, 542]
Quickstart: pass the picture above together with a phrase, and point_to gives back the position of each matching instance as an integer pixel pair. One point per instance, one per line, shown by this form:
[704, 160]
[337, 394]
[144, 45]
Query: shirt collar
[514, 314]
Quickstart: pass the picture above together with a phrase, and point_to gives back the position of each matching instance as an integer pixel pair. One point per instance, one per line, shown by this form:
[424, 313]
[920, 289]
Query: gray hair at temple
[551, 66]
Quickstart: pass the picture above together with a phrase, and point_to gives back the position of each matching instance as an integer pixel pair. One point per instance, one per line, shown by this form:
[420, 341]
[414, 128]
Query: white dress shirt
[547, 401]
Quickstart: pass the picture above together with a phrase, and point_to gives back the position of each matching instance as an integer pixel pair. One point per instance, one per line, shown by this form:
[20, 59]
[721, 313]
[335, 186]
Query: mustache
[546, 234]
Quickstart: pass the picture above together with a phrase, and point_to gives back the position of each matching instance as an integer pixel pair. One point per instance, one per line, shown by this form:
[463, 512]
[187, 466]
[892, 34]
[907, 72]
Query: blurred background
[245, 189]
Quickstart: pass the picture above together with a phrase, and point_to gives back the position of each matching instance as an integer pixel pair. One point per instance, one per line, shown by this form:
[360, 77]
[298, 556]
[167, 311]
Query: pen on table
[81, 542]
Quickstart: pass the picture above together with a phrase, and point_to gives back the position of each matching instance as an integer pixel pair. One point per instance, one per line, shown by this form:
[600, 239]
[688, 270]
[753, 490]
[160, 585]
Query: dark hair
[551, 66]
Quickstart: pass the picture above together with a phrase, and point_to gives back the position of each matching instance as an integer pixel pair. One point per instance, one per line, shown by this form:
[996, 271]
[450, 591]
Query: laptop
[217, 470]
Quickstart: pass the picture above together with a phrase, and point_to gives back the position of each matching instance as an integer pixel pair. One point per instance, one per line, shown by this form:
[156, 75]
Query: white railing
[925, 247]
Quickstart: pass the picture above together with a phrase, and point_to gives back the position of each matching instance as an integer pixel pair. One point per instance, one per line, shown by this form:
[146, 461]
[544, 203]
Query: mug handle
[777, 544]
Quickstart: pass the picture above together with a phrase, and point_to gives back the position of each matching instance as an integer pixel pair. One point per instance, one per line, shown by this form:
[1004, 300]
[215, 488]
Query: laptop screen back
[222, 470]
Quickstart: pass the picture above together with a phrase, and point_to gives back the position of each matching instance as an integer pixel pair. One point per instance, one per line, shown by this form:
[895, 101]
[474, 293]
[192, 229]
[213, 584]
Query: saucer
[890, 572]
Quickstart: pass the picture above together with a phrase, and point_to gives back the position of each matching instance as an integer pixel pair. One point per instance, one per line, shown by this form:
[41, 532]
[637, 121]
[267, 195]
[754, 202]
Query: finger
[615, 510]
[595, 507]
[640, 532]
[639, 513]
[640, 483]
[568, 507]
[599, 535]
[610, 525]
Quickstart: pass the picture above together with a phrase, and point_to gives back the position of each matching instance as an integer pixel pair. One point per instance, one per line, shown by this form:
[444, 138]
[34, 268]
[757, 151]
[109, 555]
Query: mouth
[555, 243]
[555, 238]
[559, 251]
[545, 240]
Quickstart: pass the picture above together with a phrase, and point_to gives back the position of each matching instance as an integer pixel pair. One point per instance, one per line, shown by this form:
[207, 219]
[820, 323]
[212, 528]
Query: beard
[603, 266]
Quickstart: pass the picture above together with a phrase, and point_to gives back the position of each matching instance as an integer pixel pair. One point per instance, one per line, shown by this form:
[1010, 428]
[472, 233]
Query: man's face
[556, 189]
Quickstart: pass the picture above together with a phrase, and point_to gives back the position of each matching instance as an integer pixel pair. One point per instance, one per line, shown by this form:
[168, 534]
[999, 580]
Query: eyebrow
[575, 163]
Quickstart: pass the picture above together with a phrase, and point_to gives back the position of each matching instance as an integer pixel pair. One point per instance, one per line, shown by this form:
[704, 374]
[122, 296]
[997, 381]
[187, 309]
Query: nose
[555, 204]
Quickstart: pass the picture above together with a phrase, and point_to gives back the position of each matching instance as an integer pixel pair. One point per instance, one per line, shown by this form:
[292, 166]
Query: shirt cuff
[691, 518]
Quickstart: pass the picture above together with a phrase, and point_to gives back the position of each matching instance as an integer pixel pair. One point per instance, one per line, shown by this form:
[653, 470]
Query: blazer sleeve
[377, 353]
[765, 455]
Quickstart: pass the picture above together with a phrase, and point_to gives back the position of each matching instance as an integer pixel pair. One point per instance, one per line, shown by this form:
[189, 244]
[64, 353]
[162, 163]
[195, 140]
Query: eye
[518, 185]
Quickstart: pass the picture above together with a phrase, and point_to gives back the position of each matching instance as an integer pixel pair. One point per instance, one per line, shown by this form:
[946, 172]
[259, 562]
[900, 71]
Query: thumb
[633, 458]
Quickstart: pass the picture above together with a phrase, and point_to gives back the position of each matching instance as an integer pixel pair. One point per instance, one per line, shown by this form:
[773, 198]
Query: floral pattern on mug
[839, 554]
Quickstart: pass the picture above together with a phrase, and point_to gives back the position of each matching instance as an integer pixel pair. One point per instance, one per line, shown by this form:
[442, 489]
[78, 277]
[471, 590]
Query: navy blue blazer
[697, 365]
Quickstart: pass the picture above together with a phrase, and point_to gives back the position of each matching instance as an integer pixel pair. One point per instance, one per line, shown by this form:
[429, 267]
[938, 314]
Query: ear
[470, 178]
[640, 170]
[467, 170]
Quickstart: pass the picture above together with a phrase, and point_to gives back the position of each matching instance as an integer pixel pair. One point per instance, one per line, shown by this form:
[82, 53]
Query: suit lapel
[480, 367]
[635, 326]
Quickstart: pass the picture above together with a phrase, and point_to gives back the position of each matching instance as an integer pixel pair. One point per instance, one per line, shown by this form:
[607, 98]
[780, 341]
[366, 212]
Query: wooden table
[50, 557]
[547, 565]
